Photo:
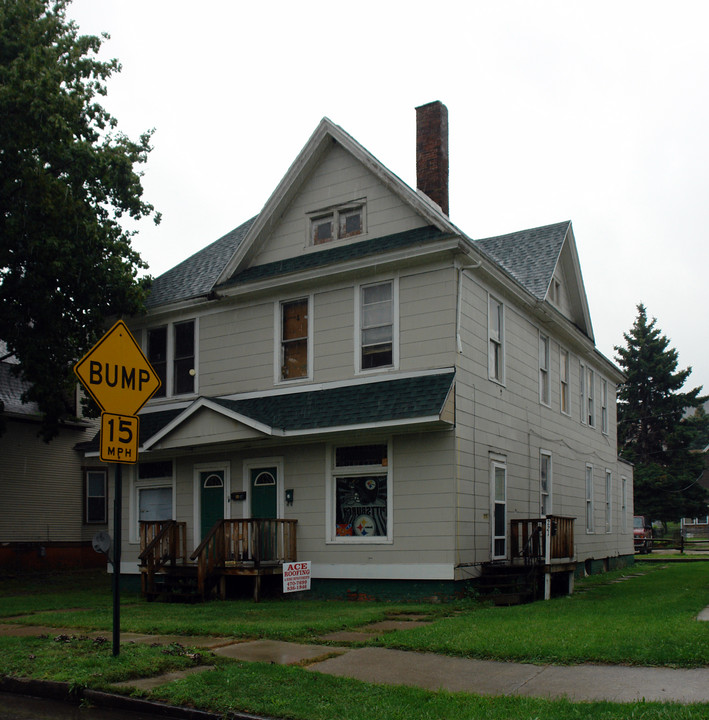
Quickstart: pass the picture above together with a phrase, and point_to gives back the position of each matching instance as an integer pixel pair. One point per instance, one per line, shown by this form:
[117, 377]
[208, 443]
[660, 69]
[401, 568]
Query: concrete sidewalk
[434, 672]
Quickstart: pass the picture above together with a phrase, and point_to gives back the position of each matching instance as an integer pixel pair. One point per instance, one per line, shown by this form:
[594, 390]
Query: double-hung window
[582, 393]
[96, 497]
[377, 326]
[496, 335]
[295, 339]
[624, 504]
[604, 406]
[589, 499]
[360, 494]
[564, 367]
[545, 482]
[609, 497]
[171, 350]
[153, 496]
[591, 398]
[544, 388]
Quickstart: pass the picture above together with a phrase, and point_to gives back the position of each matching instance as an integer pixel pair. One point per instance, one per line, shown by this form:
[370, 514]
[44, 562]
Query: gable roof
[532, 256]
[317, 146]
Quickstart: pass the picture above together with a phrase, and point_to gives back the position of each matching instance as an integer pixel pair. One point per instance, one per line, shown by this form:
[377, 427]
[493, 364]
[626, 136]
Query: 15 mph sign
[116, 373]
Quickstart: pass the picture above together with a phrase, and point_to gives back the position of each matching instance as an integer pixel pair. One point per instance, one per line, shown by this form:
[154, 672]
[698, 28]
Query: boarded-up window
[294, 339]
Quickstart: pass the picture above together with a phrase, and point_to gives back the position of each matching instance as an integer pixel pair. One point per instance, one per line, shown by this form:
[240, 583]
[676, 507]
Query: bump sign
[116, 373]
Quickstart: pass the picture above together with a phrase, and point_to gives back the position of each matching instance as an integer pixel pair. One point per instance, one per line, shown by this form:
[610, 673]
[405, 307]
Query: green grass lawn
[645, 615]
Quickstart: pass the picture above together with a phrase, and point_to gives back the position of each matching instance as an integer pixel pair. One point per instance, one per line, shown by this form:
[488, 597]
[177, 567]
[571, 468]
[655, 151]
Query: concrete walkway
[432, 671]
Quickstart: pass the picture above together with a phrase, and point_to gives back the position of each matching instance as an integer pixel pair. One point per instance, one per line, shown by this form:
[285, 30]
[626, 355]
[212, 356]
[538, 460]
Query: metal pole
[117, 508]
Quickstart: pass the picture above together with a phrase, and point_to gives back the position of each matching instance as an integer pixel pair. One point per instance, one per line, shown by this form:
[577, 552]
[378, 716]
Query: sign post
[118, 376]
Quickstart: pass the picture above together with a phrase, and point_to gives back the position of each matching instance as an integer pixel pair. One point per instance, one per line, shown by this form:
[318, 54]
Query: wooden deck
[247, 547]
[546, 542]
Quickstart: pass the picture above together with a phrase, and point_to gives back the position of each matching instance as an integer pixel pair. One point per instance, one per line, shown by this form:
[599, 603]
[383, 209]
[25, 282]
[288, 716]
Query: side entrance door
[211, 499]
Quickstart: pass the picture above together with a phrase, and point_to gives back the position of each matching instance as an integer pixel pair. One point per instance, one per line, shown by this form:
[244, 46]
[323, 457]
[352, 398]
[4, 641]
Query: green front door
[263, 492]
[212, 499]
[264, 482]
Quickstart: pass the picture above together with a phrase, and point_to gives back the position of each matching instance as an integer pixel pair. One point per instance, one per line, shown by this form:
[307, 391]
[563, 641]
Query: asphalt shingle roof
[530, 256]
[389, 400]
[11, 389]
[332, 256]
[196, 276]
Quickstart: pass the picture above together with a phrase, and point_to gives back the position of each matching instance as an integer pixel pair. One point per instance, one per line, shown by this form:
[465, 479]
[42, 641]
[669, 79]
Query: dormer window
[338, 223]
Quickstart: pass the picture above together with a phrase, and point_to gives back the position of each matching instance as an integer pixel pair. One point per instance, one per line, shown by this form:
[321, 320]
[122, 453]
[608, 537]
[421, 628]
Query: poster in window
[361, 506]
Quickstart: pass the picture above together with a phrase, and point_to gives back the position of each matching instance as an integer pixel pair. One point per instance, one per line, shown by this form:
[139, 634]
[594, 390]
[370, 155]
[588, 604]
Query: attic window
[337, 224]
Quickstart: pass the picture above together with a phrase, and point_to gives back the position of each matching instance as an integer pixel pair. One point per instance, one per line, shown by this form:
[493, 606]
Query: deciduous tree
[67, 177]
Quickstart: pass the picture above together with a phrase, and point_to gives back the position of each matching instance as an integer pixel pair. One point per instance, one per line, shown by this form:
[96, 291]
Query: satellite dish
[101, 542]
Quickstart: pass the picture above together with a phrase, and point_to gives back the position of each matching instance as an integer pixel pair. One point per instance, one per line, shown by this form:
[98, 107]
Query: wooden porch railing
[162, 543]
[542, 539]
[246, 543]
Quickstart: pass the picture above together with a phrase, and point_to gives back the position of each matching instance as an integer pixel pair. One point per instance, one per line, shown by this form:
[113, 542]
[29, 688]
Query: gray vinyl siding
[338, 179]
[42, 486]
[511, 421]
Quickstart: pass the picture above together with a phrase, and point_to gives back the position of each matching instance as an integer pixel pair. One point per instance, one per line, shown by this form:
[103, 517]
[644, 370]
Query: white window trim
[550, 487]
[104, 473]
[170, 356]
[135, 486]
[544, 370]
[604, 406]
[590, 517]
[567, 382]
[609, 501]
[591, 397]
[224, 467]
[498, 341]
[497, 461]
[583, 410]
[394, 329]
[331, 537]
[277, 345]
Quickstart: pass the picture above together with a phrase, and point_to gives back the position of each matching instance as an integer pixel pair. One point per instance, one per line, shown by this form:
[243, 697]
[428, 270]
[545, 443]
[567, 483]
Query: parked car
[642, 534]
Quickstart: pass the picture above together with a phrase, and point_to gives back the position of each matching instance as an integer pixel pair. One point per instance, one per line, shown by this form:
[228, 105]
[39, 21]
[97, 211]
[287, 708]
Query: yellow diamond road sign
[116, 373]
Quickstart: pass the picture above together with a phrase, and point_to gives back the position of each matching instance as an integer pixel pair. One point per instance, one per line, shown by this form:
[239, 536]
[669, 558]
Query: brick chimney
[432, 152]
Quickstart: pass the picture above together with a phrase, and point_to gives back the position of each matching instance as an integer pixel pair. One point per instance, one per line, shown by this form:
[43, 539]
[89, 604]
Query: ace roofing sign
[118, 376]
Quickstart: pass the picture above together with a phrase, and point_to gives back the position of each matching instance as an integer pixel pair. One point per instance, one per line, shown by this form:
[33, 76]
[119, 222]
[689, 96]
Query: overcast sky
[594, 112]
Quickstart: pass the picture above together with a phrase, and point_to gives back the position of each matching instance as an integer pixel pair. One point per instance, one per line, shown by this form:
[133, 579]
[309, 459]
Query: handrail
[549, 538]
[247, 541]
[168, 544]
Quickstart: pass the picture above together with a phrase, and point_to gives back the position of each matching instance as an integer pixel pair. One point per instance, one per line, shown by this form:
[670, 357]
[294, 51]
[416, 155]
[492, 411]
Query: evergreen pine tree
[653, 432]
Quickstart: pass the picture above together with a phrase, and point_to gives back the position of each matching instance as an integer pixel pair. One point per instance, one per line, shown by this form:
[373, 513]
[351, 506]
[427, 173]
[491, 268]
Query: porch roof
[418, 398]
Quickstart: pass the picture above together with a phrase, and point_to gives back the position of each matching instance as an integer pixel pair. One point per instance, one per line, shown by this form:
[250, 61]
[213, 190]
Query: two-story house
[351, 360]
[52, 501]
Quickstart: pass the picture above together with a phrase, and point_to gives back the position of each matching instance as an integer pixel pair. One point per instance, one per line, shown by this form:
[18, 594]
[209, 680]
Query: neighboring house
[352, 360]
[52, 502]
